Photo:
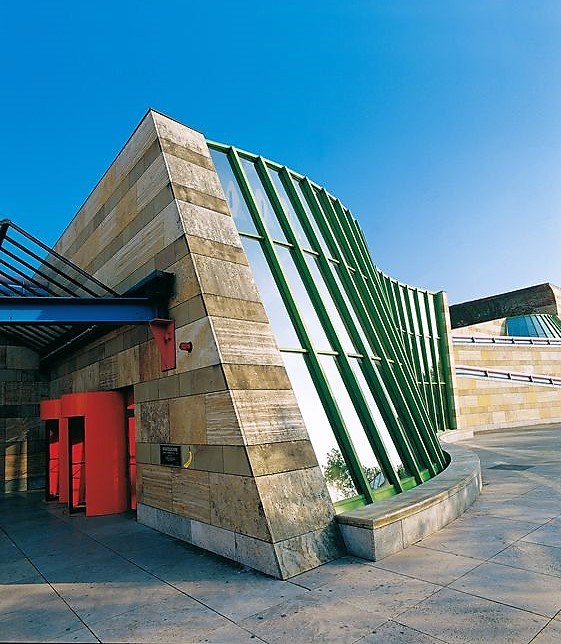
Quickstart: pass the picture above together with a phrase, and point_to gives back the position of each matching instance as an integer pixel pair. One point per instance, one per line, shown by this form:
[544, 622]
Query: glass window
[236, 202]
[411, 295]
[311, 218]
[338, 237]
[404, 309]
[354, 427]
[289, 210]
[379, 422]
[317, 334]
[431, 375]
[329, 304]
[335, 471]
[335, 272]
[432, 316]
[425, 329]
[285, 335]
[516, 326]
[263, 204]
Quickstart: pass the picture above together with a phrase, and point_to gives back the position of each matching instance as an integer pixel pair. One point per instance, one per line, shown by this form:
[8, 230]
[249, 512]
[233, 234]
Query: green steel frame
[405, 362]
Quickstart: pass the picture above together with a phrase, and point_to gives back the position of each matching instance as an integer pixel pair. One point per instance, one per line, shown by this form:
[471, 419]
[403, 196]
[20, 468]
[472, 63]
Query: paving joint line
[50, 586]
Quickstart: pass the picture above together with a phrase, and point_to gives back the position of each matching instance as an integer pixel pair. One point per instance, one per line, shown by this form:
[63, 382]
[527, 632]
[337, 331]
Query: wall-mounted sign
[170, 455]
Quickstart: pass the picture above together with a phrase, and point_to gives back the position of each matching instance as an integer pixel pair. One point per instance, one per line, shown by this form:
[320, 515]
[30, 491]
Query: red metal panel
[74, 404]
[97, 461]
[50, 409]
[164, 334]
[106, 448]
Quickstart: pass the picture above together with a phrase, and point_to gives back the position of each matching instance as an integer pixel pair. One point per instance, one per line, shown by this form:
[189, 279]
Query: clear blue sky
[437, 123]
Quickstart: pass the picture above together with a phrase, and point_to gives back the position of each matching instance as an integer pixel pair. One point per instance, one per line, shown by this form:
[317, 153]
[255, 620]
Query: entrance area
[91, 451]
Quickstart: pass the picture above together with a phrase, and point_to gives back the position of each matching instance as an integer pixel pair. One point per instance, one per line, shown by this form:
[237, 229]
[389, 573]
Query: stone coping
[385, 527]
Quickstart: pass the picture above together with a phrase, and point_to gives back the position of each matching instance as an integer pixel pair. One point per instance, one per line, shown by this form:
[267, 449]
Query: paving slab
[241, 594]
[388, 591]
[531, 591]
[35, 618]
[526, 508]
[391, 632]
[429, 565]
[93, 602]
[551, 634]
[478, 536]
[315, 617]
[230, 634]
[459, 617]
[531, 556]
[548, 535]
[177, 618]
[82, 634]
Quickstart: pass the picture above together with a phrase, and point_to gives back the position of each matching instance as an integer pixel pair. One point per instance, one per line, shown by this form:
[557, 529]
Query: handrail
[505, 340]
[514, 376]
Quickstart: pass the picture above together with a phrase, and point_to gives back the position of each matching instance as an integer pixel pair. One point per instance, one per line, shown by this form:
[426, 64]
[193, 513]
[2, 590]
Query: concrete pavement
[494, 575]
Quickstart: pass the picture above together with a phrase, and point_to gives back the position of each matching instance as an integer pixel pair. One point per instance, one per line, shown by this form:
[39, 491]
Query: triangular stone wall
[252, 490]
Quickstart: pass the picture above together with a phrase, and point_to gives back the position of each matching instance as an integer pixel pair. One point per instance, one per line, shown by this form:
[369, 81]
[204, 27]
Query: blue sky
[437, 123]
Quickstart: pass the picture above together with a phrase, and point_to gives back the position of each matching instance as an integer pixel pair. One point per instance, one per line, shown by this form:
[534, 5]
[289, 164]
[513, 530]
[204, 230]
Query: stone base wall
[22, 439]
[384, 528]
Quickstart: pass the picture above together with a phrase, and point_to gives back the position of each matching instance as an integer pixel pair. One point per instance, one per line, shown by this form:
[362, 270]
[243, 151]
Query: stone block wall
[538, 359]
[491, 327]
[492, 404]
[252, 490]
[22, 439]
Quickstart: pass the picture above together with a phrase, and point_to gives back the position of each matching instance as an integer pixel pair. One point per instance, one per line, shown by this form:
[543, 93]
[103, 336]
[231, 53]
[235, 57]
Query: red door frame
[131, 447]
[56, 482]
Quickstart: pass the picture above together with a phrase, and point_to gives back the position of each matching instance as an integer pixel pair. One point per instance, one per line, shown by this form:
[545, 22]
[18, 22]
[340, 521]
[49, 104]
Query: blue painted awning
[47, 302]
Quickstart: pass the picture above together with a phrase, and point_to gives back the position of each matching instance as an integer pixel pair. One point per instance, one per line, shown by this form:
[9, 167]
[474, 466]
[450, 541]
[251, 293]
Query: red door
[131, 447]
[51, 427]
[77, 462]
[131, 444]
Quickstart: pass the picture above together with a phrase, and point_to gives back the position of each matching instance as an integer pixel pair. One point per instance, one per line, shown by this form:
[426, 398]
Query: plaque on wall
[170, 455]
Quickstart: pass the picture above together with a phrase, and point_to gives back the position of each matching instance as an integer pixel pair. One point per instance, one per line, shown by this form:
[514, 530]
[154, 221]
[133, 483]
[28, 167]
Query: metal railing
[502, 340]
[512, 376]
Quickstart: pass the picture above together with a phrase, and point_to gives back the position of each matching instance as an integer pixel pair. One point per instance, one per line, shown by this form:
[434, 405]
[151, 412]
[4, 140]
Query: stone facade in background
[486, 403]
[22, 441]
[496, 404]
